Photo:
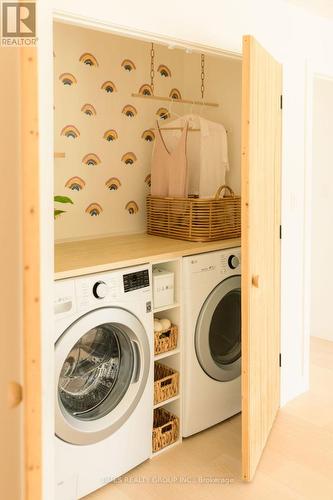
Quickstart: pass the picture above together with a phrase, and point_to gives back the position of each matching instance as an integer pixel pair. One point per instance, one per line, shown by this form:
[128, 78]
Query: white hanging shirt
[207, 153]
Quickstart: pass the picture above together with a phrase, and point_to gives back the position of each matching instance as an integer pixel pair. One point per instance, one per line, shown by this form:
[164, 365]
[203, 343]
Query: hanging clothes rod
[178, 128]
[181, 101]
[182, 128]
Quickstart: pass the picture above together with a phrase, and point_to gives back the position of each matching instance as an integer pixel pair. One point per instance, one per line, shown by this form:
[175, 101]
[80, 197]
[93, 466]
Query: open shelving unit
[163, 355]
[168, 401]
[172, 358]
[166, 308]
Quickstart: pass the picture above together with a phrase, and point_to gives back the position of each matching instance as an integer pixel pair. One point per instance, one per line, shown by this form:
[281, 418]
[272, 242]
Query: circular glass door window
[225, 329]
[96, 373]
[218, 331]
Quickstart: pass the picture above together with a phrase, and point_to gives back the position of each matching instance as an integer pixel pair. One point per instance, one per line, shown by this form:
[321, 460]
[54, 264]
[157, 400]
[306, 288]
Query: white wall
[322, 196]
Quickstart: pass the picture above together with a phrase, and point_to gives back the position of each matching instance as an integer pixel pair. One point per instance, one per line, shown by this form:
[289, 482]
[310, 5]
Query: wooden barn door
[261, 170]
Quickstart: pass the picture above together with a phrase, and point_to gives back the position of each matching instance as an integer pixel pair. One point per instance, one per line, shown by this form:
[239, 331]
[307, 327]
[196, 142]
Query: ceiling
[322, 8]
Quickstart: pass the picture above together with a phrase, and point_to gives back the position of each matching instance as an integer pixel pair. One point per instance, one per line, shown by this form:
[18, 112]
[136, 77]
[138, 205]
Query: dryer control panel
[230, 262]
[221, 263]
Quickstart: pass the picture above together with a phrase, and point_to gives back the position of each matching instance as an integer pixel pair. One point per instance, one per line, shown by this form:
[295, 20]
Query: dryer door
[102, 365]
[218, 331]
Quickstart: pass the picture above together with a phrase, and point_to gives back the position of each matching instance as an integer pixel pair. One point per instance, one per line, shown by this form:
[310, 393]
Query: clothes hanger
[203, 107]
[169, 112]
[190, 129]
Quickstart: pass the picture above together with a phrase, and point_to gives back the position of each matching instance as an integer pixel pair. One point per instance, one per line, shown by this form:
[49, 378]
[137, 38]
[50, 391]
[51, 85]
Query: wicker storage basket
[166, 340]
[165, 429]
[195, 219]
[166, 382]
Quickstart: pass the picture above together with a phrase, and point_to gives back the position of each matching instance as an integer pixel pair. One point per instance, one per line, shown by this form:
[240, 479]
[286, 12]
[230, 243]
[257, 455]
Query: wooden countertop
[92, 256]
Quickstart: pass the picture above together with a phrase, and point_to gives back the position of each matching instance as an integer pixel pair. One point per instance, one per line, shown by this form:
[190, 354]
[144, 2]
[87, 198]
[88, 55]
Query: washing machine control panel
[100, 290]
[84, 293]
[134, 281]
[107, 288]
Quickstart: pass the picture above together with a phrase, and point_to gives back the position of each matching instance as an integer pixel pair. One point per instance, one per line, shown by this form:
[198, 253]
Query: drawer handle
[255, 281]
[165, 335]
[15, 394]
[166, 428]
[166, 382]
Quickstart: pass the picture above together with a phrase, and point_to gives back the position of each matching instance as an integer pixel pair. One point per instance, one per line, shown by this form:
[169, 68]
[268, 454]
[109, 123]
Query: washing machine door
[102, 365]
[218, 331]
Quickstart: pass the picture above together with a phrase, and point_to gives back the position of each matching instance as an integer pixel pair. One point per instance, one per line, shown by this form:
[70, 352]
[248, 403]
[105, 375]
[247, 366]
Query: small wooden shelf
[170, 400]
[166, 354]
[166, 308]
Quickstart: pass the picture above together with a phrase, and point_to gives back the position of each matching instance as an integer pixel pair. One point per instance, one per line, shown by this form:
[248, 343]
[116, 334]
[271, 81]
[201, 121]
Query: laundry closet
[115, 97]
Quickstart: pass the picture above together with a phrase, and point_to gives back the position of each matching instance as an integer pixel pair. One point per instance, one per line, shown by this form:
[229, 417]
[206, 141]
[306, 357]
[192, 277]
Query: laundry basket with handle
[165, 429]
[195, 219]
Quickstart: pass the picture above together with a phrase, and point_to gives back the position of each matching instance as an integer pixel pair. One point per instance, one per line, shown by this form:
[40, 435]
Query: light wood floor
[297, 463]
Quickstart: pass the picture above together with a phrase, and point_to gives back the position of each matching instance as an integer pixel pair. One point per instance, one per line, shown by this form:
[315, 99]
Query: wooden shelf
[170, 400]
[77, 258]
[163, 355]
[166, 308]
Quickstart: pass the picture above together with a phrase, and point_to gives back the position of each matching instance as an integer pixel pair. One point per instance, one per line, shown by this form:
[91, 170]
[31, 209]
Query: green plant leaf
[58, 212]
[63, 199]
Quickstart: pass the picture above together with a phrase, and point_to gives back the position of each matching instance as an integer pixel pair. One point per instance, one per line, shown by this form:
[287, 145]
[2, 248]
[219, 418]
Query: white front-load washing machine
[212, 339]
[104, 378]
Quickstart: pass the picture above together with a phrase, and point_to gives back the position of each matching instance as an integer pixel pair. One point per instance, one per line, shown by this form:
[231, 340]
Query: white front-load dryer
[212, 339]
[104, 378]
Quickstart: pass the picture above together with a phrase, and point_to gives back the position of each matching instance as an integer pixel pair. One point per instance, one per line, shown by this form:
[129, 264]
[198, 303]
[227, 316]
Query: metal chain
[152, 68]
[202, 75]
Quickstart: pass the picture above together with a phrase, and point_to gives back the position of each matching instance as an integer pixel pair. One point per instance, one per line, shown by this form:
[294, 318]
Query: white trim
[311, 74]
[46, 207]
[307, 223]
[321, 76]
[175, 43]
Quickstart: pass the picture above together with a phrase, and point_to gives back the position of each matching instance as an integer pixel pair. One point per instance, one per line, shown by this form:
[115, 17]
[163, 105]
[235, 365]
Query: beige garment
[169, 176]
[207, 153]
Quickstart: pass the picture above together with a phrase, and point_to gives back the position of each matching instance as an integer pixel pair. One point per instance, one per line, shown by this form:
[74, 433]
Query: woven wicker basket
[195, 219]
[166, 382]
[165, 429]
[166, 340]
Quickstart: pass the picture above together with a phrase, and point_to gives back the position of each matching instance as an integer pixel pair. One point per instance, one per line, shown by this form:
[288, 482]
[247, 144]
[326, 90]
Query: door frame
[312, 72]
